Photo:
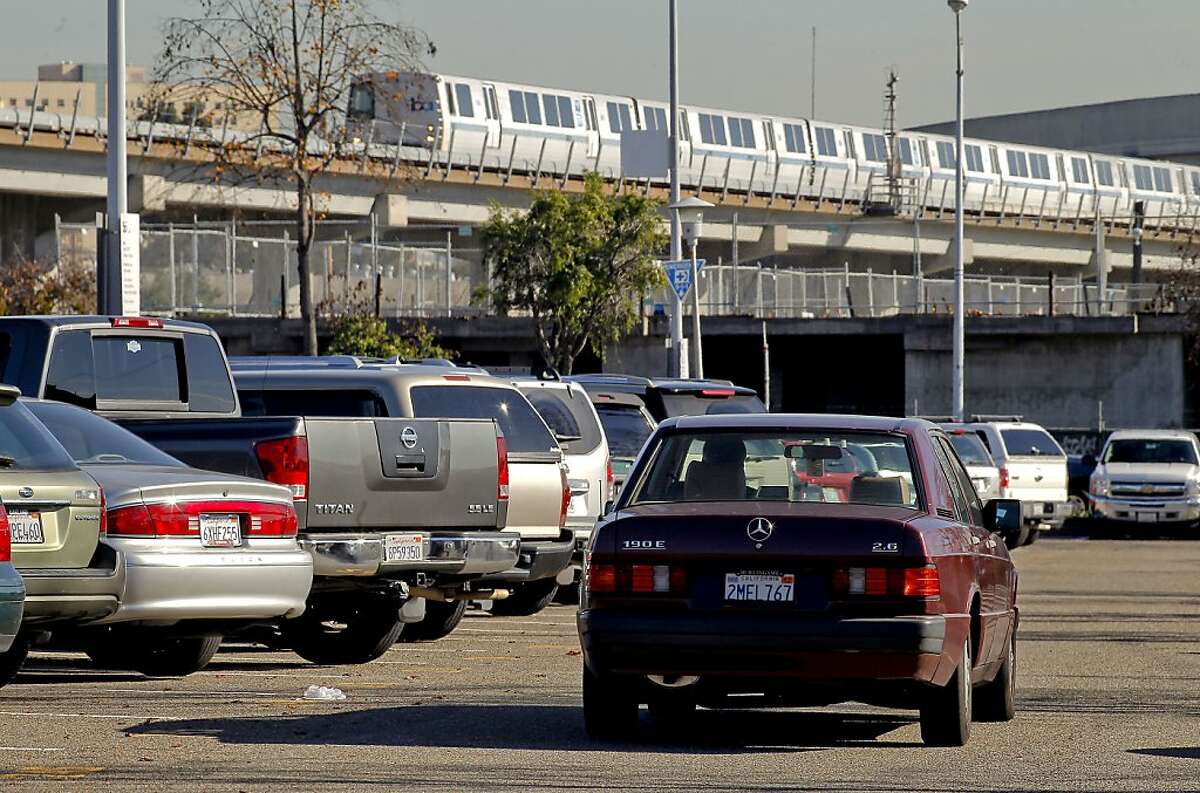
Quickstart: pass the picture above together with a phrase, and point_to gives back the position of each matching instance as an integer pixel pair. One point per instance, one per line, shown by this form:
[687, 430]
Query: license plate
[760, 587]
[403, 547]
[26, 528]
[1147, 517]
[220, 531]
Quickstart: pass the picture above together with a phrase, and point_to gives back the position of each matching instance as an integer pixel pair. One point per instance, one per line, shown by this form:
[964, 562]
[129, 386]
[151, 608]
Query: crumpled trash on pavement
[324, 693]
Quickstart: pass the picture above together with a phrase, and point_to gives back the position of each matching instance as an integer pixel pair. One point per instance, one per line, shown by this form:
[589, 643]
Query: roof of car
[321, 372]
[799, 421]
[1165, 435]
[96, 320]
[627, 381]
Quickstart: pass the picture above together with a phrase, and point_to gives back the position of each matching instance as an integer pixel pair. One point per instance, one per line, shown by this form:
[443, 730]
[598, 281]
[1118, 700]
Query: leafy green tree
[578, 264]
[369, 336]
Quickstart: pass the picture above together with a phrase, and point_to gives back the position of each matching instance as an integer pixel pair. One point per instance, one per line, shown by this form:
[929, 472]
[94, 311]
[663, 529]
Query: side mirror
[1089, 460]
[1002, 516]
[608, 507]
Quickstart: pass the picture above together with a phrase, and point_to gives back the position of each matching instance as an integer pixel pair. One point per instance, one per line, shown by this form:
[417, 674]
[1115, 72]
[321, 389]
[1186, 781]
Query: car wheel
[568, 595]
[609, 712]
[997, 700]
[174, 657]
[946, 714]
[12, 660]
[1033, 536]
[441, 618]
[527, 599]
[351, 633]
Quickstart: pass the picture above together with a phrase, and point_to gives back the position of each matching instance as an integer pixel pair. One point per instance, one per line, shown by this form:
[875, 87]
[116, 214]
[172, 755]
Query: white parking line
[29, 749]
[114, 716]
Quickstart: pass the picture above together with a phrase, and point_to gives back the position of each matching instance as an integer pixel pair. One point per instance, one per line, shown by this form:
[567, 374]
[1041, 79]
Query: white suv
[1147, 476]
[1033, 469]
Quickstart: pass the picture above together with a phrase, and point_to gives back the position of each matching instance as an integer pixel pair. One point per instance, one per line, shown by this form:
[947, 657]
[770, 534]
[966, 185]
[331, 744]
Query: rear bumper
[12, 605]
[738, 644]
[1049, 513]
[538, 559]
[460, 553]
[1178, 510]
[165, 584]
[75, 595]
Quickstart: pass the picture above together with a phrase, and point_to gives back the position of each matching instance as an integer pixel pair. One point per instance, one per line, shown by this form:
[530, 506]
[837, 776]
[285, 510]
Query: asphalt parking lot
[1108, 673]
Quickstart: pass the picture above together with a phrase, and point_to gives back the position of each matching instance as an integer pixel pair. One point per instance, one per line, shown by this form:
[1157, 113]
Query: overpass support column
[773, 241]
[933, 265]
[390, 210]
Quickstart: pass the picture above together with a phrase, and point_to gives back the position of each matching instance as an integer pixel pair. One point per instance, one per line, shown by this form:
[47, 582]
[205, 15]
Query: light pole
[690, 212]
[958, 344]
[676, 364]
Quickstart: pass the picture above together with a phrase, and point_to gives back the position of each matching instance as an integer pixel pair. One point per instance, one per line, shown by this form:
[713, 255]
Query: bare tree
[287, 66]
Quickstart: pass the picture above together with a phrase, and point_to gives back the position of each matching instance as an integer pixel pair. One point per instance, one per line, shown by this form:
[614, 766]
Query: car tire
[13, 659]
[997, 700]
[174, 656]
[609, 712]
[946, 713]
[1033, 536]
[526, 599]
[355, 633]
[441, 618]
[568, 595]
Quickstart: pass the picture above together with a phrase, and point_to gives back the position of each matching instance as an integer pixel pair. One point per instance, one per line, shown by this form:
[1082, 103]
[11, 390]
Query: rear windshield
[626, 429]
[26, 445]
[85, 367]
[701, 405]
[348, 403]
[1030, 443]
[569, 414]
[817, 466]
[1135, 450]
[970, 449]
[524, 431]
[92, 439]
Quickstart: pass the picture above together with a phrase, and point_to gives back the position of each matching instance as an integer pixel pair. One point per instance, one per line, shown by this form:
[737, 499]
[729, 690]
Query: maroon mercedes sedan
[721, 577]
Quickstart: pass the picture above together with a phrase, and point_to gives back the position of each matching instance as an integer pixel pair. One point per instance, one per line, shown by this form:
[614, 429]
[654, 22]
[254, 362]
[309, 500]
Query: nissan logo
[759, 530]
[25, 492]
[408, 436]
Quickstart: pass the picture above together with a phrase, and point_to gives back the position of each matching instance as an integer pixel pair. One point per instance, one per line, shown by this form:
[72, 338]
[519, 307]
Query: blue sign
[679, 275]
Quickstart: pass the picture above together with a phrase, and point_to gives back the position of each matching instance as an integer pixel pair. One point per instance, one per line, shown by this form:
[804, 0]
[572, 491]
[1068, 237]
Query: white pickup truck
[1147, 477]
[1033, 470]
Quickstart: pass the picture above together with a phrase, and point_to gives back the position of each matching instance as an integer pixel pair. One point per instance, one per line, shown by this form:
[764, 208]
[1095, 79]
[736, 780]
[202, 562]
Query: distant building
[1164, 127]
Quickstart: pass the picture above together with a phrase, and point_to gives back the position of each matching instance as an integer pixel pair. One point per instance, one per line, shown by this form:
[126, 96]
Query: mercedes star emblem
[408, 436]
[760, 529]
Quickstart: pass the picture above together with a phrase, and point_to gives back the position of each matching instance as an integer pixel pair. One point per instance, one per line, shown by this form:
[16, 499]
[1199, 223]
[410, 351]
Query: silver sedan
[205, 552]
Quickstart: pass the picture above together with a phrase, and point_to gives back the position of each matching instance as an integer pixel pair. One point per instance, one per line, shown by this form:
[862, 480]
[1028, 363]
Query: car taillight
[256, 518]
[601, 578]
[887, 582]
[285, 462]
[566, 496]
[1003, 480]
[103, 513]
[501, 468]
[136, 322]
[638, 579]
[5, 537]
[609, 480]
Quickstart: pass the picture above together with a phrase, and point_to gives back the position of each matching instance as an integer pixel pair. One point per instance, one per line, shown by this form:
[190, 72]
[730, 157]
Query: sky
[750, 55]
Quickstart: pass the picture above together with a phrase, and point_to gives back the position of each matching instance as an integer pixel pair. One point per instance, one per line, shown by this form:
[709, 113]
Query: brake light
[501, 468]
[5, 537]
[285, 462]
[920, 582]
[103, 513]
[609, 480]
[566, 496]
[457, 377]
[136, 322]
[601, 578]
[256, 518]
[1003, 479]
[717, 392]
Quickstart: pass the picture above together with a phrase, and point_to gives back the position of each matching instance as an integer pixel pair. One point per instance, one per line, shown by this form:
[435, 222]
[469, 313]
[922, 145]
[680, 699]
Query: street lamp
[691, 220]
[959, 337]
[676, 363]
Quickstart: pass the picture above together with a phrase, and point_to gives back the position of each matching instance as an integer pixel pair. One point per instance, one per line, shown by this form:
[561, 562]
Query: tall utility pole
[958, 345]
[813, 75]
[108, 281]
[677, 354]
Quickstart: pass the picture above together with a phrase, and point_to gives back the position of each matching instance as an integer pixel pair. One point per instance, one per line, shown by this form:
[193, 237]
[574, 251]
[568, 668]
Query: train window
[656, 120]
[874, 147]
[735, 133]
[945, 153]
[1039, 166]
[1143, 179]
[493, 107]
[565, 113]
[1195, 182]
[516, 102]
[974, 158]
[619, 119]
[551, 103]
[826, 141]
[712, 129]
[745, 132]
[905, 150]
[684, 131]
[1079, 169]
[1018, 164]
[1162, 180]
[793, 138]
[1104, 173]
[466, 104]
[589, 113]
[532, 111]
[362, 100]
[450, 99]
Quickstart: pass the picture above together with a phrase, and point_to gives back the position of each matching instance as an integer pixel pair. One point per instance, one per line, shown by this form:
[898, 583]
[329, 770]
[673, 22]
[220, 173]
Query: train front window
[466, 105]
[362, 101]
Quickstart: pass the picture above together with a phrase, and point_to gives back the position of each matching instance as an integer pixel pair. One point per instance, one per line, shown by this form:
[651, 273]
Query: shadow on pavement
[1183, 752]
[541, 727]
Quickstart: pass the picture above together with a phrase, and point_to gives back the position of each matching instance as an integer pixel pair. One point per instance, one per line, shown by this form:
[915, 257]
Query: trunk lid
[53, 521]
[1040, 478]
[132, 484]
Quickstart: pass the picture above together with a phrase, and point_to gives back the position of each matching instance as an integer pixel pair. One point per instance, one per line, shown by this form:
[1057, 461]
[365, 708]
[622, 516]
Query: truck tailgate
[392, 472]
[1037, 478]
